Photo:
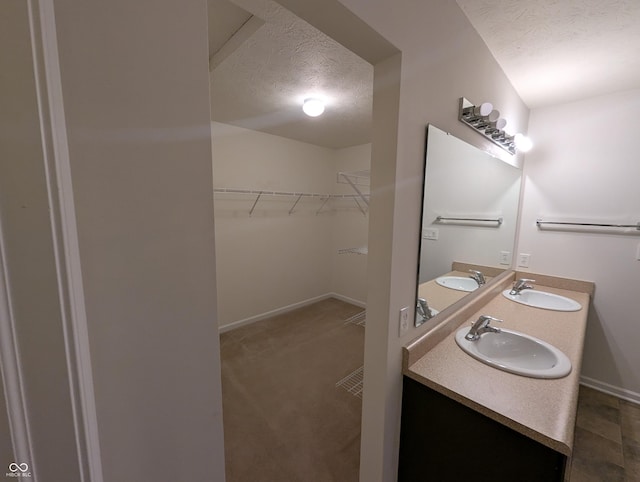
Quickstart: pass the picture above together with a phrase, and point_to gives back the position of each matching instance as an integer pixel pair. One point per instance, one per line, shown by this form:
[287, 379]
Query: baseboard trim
[622, 393]
[346, 299]
[279, 311]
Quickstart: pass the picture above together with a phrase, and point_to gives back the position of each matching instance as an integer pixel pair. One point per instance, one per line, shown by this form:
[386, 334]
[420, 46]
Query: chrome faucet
[521, 284]
[423, 309]
[480, 326]
[477, 276]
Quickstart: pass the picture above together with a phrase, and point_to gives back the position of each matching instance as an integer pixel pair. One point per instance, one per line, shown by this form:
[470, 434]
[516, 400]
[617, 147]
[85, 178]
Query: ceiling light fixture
[313, 107]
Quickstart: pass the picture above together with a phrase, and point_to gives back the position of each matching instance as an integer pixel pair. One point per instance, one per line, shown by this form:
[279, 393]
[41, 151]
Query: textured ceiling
[552, 51]
[556, 51]
[262, 83]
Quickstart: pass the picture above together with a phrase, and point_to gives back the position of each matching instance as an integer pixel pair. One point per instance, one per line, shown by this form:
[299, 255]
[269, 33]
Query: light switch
[430, 233]
[404, 321]
[523, 260]
[505, 257]
[638, 253]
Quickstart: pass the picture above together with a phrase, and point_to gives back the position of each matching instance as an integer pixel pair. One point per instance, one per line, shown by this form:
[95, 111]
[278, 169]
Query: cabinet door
[442, 440]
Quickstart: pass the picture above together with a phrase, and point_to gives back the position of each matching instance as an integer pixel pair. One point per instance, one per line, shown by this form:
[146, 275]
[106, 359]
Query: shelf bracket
[255, 202]
[355, 188]
[295, 204]
[326, 200]
[362, 210]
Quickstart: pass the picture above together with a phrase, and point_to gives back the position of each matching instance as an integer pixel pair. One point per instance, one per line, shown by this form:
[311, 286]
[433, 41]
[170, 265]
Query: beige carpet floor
[284, 417]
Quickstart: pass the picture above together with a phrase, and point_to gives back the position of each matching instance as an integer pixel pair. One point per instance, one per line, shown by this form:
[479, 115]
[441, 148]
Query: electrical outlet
[505, 257]
[430, 233]
[404, 321]
[523, 260]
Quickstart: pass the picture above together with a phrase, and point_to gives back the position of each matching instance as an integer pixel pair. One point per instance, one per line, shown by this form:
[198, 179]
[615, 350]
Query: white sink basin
[516, 353]
[459, 283]
[544, 300]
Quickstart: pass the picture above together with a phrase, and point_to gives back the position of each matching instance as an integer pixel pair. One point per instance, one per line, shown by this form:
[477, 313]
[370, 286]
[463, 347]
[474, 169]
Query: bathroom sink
[517, 353]
[544, 300]
[459, 283]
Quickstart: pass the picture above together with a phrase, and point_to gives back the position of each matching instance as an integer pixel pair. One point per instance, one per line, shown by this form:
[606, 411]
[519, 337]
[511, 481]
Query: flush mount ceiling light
[485, 120]
[313, 107]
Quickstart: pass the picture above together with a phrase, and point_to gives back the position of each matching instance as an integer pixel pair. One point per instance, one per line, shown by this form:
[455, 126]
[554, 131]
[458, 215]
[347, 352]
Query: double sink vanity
[500, 405]
[490, 388]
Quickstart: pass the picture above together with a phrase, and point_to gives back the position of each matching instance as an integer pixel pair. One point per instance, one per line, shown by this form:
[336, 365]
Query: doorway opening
[291, 207]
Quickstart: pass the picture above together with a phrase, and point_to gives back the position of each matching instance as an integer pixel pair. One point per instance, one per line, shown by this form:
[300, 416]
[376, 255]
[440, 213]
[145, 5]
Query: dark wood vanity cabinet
[442, 440]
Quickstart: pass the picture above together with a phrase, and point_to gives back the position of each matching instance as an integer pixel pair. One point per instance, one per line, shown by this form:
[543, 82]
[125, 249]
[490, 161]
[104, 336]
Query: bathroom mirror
[469, 214]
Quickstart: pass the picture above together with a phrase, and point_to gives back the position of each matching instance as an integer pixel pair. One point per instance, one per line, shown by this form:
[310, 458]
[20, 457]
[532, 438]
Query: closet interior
[291, 251]
[291, 200]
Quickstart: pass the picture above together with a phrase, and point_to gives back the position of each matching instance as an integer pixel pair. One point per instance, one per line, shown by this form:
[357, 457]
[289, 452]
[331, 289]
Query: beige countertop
[543, 410]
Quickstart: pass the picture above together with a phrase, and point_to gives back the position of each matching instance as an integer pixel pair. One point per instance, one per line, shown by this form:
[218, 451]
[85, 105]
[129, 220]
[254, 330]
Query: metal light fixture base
[485, 126]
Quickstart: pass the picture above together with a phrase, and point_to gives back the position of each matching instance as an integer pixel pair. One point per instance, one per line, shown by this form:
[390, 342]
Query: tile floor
[607, 439]
[285, 419]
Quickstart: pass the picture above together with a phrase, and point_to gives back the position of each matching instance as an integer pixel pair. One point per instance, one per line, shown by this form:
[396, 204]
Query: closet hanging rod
[224, 190]
[540, 222]
[324, 198]
[498, 220]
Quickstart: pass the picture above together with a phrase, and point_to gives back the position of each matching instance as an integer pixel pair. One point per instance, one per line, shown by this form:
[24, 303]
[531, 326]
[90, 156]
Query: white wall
[135, 82]
[585, 167]
[271, 260]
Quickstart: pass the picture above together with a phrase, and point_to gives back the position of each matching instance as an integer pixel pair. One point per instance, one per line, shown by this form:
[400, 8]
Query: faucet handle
[525, 280]
[422, 309]
[477, 276]
[520, 285]
[480, 326]
[484, 320]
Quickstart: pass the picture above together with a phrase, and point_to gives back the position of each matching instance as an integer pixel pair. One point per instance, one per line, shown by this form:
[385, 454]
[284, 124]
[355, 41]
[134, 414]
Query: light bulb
[494, 115]
[313, 107]
[486, 109]
[522, 142]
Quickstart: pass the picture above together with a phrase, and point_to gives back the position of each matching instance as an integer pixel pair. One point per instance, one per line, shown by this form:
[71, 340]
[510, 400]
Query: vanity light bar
[486, 121]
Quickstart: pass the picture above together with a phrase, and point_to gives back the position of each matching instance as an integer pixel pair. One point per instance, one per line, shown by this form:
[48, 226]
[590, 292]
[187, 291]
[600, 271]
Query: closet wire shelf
[353, 383]
[322, 197]
[359, 318]
[359, 250]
